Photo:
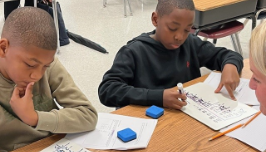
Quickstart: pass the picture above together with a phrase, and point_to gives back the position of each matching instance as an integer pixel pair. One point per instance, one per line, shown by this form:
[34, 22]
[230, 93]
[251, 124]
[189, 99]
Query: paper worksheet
[64, 145]
[242, 93]
[212, 109]
[105, 134]
[253, 134]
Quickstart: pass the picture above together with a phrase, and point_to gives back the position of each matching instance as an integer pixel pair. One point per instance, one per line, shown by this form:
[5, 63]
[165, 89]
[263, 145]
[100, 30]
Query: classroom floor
[109, 28]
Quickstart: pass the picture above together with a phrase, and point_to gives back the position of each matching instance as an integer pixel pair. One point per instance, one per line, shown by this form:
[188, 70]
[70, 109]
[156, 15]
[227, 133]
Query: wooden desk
[204, 5]
[211, 13]
[175, 131]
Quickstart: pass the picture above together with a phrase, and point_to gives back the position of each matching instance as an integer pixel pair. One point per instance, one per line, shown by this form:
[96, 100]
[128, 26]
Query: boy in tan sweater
[30, 78]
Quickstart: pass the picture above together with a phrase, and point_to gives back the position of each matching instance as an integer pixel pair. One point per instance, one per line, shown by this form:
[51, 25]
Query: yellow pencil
[251, 119]
[225, 132]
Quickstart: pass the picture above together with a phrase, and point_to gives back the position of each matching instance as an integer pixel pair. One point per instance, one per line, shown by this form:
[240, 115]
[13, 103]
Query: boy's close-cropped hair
[30, 26]
[165, 7]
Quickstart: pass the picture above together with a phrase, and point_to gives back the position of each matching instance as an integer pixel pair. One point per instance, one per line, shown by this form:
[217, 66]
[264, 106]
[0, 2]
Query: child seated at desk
[257, 62]
[30, 78]
[145, 70]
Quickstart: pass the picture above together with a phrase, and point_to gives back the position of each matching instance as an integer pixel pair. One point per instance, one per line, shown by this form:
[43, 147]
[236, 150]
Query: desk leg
[196, 32]
[253, 21]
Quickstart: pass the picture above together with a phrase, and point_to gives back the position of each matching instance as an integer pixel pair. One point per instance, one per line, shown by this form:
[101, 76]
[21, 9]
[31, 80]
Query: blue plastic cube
[126, 135]
[154, 112]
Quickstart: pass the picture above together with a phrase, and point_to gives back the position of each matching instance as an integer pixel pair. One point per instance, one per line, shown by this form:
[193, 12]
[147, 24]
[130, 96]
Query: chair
[231, 28]
[125, 7]
[260, 13]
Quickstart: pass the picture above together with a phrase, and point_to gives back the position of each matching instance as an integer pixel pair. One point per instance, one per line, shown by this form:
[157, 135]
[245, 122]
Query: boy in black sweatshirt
[145, 70]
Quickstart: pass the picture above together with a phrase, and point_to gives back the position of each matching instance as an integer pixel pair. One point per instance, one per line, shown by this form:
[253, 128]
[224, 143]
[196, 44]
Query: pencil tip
[210, 139]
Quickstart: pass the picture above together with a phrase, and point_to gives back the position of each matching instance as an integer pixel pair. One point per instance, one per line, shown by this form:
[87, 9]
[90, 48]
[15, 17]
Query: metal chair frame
[125, 7]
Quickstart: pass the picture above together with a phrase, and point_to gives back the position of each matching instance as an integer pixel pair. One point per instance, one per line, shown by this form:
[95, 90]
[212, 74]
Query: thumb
[220, 86]
[29, 89]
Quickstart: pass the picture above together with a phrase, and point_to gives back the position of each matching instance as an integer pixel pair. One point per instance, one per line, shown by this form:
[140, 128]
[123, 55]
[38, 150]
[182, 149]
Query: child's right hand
[171, 99]
[23, 105]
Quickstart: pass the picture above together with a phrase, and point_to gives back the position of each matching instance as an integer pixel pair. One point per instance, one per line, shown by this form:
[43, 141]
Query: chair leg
[234, 42]
[129, 8]
[238, 44]
[104, 3]
[125, 9]
[54, 5]
[214, 41]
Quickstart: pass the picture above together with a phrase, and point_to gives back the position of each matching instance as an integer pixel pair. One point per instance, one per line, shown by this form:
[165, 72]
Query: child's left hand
[230, 79]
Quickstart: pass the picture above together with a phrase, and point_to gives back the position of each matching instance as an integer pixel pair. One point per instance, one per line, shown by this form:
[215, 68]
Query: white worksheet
[65, 145]
[253, 134]
[242, 93]
[212, 109]
[105, 134]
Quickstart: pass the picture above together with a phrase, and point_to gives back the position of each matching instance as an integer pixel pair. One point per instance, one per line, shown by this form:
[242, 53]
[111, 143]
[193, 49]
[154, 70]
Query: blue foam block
[154, 112]
[126, 135]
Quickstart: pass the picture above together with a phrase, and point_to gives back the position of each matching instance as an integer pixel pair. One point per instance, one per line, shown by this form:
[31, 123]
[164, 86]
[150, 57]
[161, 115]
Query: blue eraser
[126, 135]
[154, 112]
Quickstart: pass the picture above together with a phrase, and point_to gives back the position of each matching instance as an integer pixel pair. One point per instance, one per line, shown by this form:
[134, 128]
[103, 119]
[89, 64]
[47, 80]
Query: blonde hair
[257, 47]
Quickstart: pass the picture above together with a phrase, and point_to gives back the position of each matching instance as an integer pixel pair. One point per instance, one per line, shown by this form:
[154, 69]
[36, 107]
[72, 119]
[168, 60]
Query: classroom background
[109, 28]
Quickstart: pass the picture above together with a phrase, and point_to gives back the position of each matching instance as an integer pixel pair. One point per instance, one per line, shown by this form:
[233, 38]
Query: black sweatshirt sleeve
[215, 58]
[117, 90]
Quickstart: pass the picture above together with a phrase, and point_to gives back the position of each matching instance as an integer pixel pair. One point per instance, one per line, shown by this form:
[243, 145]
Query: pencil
[251, 119]
[225, 132]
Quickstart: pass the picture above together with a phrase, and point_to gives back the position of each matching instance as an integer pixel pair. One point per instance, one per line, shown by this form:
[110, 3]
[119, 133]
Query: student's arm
[215, 58]
[117, 88]
[221, 59]
[78, 114]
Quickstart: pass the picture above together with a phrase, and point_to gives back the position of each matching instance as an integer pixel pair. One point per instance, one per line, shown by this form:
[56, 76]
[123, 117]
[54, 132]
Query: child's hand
[170, 99]
[23, 105]
[230, 79]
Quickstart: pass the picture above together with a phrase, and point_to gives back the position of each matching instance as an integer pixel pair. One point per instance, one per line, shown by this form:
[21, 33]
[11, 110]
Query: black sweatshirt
[143, 68]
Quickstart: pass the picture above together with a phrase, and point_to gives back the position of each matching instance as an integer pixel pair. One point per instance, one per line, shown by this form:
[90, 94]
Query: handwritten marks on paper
[65, 145]
[213, 109]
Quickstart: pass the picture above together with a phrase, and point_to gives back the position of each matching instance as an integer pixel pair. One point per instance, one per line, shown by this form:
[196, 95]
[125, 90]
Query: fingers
[220, 86]
[15, 94]
[230, 92]
[181, 101]
[178, 104]
[29, 89]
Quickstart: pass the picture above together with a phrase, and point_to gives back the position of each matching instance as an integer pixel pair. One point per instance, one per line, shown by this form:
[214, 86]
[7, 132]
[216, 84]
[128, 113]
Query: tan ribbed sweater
[78, 115]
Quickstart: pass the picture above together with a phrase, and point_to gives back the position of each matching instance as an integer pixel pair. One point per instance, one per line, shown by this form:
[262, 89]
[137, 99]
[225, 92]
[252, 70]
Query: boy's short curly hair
[165, 7]
[30, 26]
